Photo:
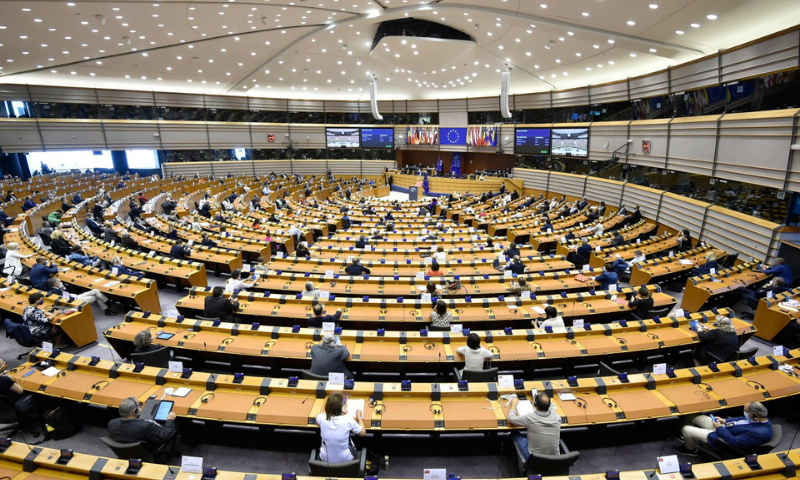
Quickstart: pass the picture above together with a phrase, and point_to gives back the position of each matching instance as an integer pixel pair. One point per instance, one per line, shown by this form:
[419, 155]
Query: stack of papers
[524, 407]
[354, 405]
[181, 392]
[685, 262]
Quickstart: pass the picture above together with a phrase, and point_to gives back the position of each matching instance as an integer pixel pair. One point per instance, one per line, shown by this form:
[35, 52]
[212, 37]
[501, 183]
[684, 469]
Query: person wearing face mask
[38, 321]
[721, 341]
[749, 430]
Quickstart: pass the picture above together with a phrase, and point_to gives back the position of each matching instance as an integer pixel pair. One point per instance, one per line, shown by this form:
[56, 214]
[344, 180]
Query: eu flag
[425, 188]
[439, 165]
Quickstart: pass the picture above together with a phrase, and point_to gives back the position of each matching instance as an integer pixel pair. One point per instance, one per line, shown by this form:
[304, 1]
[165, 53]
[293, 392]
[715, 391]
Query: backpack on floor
[63, 421]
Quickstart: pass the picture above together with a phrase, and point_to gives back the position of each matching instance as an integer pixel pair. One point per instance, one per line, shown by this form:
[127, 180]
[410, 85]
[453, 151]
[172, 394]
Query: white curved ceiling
[311, 49]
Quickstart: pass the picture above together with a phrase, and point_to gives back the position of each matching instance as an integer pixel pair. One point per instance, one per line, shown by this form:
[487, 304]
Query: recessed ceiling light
[585, 14]
[633, 55]
[679, 32]
[611, 41]
[711, 17]
[543, 5]
[653, 50]
[631, 23]
[596, 46]
[611, 62]
[653, 6]
[695, 25]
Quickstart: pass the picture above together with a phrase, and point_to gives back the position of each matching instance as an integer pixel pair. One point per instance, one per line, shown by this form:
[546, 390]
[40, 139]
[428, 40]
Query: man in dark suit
[750, 430]
[217, 306]
[129, 428]
[356, 268]
[178, 251]
[516, 266]
[318, 318]
[5, 218]
[29, 203]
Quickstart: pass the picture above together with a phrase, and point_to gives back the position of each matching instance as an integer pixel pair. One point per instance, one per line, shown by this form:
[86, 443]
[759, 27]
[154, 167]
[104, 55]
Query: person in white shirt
[335, 428]
[474, 353]
[294, 231]
[598, 229]
[310, 291]
[236, 282]
[440, 256]
[553, 318]
[638, 258]
[12, 264]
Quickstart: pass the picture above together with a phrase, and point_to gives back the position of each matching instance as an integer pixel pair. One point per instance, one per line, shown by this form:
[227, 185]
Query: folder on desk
[621, 301]
[581, 278]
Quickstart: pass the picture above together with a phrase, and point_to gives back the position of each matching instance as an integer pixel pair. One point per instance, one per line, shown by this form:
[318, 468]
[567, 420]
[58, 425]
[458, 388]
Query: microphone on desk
[327, 458]
[653, 473]
[438, 377]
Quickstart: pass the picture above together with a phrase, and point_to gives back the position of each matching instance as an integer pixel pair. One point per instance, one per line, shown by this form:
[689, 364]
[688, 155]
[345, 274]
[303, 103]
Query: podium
[413, 193]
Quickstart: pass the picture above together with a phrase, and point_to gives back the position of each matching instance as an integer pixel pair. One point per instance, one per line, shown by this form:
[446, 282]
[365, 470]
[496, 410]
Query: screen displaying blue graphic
[377, 138]
[452, 136]
[532, 141]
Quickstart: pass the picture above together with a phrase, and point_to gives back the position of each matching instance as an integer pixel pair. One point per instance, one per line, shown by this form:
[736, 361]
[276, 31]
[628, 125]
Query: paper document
[49, 372]
[112, 283]
[539, 310]
[566, 396]
[354, 405]
[524, 407]
[181, 392]
[685, 262]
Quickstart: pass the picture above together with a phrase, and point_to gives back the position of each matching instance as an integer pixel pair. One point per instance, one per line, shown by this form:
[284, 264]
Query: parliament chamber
[225, 256]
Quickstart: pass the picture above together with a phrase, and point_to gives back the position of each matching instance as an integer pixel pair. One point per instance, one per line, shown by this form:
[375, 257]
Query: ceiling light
[611, 41]
[570, 33]
[633, 55]
[631, 23]
[596, 46]
[611, 62]
[578, 54]
[711, 17]
[679, 32]
[585, 14]
[653, 6]
[653, 50]
[695, 25]
[543, 5]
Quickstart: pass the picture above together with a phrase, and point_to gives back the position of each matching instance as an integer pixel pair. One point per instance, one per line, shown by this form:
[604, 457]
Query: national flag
[425, 188]
[439, 165]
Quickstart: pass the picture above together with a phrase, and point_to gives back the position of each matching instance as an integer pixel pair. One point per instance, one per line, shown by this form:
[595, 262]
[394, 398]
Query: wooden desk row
[179, 271]
[126, 288]
[543, 240]
[425, 407]
[407, 314]
[19, 459]
[475, 266]
[414, 351]
[773, 314]
[216, 259]
[411, 287]
[706, 288]
[652, 247]
[249, 248]
[78, 325]
[663, 268]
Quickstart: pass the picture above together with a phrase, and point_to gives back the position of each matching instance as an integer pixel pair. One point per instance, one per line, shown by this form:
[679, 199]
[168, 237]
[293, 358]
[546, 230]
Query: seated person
[355, 268]
[516, 266]
[327, 357]
[302, 250]
[440, 316]
[607, 278]
[789, 336]
[552, 318]
[217, 306]
[127, 241]
[642, 304]
[335, 428]
[9, 388]
[722, 342]
[522, 286]
[55, 218]
[474, 353]
[638, 259]
[310, 291]
[619, 266]
[685, 240]
[750, 430]
[750, 297]
[361, 242]
[5, 218]
[581, 255]
[179, 251]
[512, 250]
[237, 281]
[56, 287]
[440, 256]
[206, 241]
[39, 322]
[430, 288]
[434, 271]
[705, 269]
[617, 240]
[41, 272]
[543, 427]
[129, 428]
[261, 265]
[317, 320]
[58, 244]
[78, 255]
[95, 227]
[143, 341]
[780, 269]
[118, 266]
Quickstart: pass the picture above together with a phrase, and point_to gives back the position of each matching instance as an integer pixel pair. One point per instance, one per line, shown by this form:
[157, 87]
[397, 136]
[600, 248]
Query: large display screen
[570, 142]
[342, 137]
[532, 141]
[377, 138]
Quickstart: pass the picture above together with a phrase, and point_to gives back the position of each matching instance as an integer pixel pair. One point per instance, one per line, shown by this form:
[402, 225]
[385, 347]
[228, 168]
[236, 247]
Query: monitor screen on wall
[570, 142]
[532, 141]
[377, 137]
[342, 137]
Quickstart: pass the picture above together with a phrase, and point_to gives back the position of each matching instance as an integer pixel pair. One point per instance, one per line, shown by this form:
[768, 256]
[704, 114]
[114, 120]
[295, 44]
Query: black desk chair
[726, 451]
[434, 328]
[485, 375]
[157, 358]
[125, 451]
[307, 375]
[200, 317]
[745, 354]
[547, 465]
[352, 469]
[21, 334]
